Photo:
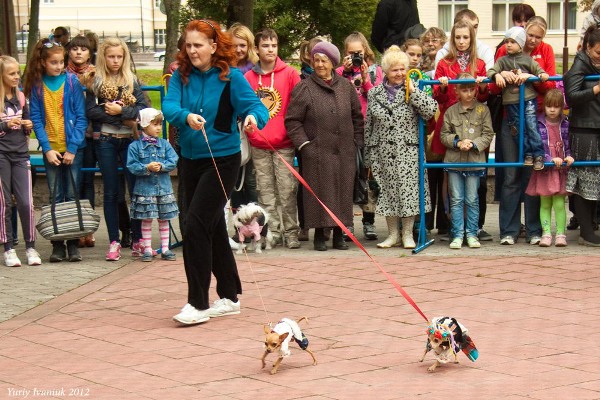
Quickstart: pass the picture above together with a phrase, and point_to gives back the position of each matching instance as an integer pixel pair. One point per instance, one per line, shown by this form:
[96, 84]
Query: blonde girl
[243, 40]
[58, 115]
[113, 102]
[15, 168]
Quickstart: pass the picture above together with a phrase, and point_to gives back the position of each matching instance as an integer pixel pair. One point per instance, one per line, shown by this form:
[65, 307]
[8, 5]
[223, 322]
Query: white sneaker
[33, 257]
[11, 259]
[223, 307]
[507, 240]
[189, 315]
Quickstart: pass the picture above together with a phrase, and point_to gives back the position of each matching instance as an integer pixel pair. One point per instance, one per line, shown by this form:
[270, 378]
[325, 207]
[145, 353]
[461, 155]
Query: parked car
[22, 41]
[159, 56]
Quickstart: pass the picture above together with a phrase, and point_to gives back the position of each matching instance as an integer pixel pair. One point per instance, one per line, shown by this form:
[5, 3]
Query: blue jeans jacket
[142, 153]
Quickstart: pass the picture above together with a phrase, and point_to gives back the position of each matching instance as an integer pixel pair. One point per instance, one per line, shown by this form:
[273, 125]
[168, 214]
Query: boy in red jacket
[273, 81]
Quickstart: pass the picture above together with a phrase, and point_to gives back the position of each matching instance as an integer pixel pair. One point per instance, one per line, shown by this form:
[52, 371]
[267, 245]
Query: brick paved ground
[107, 332]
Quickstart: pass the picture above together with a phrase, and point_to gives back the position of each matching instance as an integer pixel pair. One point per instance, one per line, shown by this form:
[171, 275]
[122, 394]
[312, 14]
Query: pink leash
[344, 228]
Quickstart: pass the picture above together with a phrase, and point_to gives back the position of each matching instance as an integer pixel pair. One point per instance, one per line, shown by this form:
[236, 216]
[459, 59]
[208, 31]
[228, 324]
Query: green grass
[151, 77]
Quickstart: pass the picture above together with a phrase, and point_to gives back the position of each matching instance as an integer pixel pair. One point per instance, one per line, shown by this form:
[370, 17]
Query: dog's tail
[303, 319]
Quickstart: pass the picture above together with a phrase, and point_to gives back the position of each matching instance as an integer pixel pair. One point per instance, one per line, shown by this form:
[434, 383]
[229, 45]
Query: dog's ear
[267, 329]
[283, 337]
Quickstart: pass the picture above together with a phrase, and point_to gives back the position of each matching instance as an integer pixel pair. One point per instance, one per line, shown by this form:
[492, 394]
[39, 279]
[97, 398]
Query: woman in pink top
[358, 66]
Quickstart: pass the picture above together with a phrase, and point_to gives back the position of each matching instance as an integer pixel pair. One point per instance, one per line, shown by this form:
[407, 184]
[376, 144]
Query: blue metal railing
[37, 159]
[423, 242]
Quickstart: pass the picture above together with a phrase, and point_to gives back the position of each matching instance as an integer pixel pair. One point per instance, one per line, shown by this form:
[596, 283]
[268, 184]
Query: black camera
[357, 59]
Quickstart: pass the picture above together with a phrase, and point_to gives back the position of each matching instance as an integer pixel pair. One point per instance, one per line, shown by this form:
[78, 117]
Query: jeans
[59, 176]
[532, 141]
[112, 153]
[463, 192]
[513, 189]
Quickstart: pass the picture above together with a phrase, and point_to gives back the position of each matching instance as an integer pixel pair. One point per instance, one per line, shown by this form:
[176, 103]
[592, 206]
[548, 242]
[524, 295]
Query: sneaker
[473, 242]
[484, 236]
[528, 161]
[535, 240]
[369, 231]
[277, 241]
[456, 243]
[560, 241]
[168, 255]
[11, 259]
[138, 249]
[507, 240]
[233, 244]
[293, 242]
[538, 163]
[189, 315]
[147, 256]
[33, 257]
[223, 307]
[445, 237]
[546, 241]
[114, 251]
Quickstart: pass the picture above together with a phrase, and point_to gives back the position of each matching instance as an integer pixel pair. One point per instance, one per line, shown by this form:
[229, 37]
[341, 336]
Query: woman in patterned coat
[392, 144]
[325, 123]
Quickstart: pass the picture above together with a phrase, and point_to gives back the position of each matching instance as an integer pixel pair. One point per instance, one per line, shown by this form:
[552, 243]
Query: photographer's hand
[347, 63]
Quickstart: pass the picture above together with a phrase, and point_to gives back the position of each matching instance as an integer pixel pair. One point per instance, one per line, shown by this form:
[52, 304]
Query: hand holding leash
[195, 121]
[250, 124]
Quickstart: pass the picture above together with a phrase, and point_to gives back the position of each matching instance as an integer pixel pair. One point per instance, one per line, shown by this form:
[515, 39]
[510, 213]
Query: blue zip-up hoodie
[73, 108]
[220, 103]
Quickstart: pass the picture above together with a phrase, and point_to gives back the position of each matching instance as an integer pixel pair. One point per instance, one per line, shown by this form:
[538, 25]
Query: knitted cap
[329, 50]
[517, 33]
[147, 115]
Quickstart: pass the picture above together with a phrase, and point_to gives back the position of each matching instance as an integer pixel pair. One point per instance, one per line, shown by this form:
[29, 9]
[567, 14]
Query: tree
[34, 26]
[7, 33]
[172, 8]
[294, 20]
[241, 11]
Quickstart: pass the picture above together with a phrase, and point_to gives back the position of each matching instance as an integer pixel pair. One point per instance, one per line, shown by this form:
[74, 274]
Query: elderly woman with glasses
[325, 122]
[432, 40]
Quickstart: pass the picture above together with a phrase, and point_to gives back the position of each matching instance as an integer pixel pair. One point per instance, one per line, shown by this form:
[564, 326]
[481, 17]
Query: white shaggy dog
[251, 221]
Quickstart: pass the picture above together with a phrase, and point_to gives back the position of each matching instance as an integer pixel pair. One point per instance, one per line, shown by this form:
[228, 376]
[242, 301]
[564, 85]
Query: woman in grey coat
[325, 122]
[392, 145]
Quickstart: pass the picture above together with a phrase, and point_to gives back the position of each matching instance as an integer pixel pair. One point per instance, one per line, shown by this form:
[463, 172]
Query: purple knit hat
[329, 49]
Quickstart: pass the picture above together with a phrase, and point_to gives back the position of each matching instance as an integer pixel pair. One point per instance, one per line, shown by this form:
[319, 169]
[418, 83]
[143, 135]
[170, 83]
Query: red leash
[344, 228]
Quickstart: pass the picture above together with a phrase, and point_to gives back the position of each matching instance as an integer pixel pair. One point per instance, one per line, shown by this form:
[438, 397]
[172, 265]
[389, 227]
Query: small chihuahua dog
[446, 337]
[251, 221]
[279, 338]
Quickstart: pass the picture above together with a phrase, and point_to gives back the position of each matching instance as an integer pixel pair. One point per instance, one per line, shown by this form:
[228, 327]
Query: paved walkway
[532, 313]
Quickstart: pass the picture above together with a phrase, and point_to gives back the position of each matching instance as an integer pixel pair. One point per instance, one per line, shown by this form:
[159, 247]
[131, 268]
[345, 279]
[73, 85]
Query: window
[447, 9]
[48, 1]
[157, 3]
[160, 37]
[502, 14]
[556, 16]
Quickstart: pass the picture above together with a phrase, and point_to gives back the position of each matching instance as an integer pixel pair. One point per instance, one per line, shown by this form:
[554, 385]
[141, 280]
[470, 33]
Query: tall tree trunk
[7, 33]
[34, 26]
[173, 32]
[241, 11]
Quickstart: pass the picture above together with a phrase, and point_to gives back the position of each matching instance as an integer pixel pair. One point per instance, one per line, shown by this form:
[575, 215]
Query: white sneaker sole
[188, 322]
[224, 314]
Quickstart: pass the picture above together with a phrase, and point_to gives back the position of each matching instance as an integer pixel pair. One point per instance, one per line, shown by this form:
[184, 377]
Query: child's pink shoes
[546, 241]
[560, 241]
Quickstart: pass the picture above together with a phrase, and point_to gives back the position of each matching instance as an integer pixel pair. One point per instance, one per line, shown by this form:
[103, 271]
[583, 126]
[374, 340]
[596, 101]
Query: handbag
[68, 220]
[361, 181]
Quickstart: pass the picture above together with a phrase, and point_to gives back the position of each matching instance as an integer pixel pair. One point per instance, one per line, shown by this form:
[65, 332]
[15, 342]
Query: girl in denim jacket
[150, 159]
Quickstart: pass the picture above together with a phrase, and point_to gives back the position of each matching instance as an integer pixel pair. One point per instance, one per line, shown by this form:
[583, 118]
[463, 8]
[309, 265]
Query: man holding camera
[392, 19]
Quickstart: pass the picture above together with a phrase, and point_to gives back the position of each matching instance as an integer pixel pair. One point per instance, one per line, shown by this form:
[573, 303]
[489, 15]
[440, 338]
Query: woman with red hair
[207, 95]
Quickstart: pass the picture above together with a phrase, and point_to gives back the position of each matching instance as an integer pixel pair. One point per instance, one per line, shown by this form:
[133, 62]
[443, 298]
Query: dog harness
[293, 330]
